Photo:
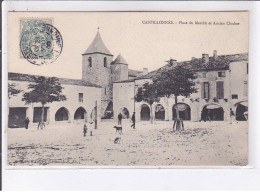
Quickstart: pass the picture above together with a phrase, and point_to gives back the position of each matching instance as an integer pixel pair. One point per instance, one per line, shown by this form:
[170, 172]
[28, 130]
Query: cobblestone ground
[211, 143]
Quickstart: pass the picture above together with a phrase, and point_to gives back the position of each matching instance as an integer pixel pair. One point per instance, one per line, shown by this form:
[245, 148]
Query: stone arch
[214, 111]
[62, 114]
[145, 113]
[125, 112]
[109, 111]
[159, 112]
[241, 108]
[80, 114]
[184, 111]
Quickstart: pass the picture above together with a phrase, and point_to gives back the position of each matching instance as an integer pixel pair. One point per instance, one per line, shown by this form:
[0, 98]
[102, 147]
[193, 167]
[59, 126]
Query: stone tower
[96, 61]
[119, 69]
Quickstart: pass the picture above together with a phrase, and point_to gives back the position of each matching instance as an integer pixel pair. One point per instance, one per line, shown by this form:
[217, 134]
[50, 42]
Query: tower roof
[120, 60]
[97, 46]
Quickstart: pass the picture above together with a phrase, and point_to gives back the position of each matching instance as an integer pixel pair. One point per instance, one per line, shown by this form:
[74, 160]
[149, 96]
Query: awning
[159, 108]
[213, 106]
[182, 107]
[245, 103]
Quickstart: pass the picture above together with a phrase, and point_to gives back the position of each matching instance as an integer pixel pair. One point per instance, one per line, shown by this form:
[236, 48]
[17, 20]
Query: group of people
[120, 117]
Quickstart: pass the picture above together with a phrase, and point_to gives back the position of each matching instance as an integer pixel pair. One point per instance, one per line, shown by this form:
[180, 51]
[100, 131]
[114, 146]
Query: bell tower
[96, 61]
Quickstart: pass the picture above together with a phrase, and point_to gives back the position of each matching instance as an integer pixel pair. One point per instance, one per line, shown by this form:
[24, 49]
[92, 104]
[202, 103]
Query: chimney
[172, 62]
[215, 54]
[145, 71]
[205, 58]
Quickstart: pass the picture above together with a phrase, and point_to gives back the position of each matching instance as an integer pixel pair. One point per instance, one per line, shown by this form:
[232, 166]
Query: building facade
[83, 103]
[221, 85]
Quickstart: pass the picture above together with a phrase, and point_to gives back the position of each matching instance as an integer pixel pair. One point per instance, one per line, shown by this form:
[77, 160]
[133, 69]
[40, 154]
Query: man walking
[85, 129]
[133, 120]
[120, 117]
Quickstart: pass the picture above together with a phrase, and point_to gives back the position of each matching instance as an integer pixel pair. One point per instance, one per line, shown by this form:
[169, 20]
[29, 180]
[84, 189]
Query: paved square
[210, 143]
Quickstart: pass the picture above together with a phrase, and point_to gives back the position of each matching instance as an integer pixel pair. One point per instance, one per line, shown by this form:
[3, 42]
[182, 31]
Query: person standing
[120, 117]
[26, 122]
[232, 116]
[133, 120]
[85, 129]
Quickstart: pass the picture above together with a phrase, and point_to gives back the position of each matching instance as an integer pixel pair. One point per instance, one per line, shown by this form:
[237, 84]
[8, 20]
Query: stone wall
[98, 74]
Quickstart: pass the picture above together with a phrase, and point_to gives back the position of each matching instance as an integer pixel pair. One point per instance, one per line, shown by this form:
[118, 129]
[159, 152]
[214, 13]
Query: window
[80, 97]
[105, 62]
[205, 90]
[90, 61]
[105, 91]
[221, 74]
[220, 90]
[234, 96]
[204, 75]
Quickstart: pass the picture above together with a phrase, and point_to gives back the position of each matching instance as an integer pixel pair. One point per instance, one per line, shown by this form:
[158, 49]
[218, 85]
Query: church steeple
[97, 46]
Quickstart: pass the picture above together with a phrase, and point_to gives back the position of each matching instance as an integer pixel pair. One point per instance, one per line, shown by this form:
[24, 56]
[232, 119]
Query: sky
[141, 45]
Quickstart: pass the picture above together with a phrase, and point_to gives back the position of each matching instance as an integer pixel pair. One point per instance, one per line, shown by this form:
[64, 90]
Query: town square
[190, 111]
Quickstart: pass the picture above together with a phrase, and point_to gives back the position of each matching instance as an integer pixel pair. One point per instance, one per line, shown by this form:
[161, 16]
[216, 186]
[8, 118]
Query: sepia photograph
[127, 89]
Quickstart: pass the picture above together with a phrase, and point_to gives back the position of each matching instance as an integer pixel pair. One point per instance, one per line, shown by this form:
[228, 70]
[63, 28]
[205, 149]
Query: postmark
[41, 43]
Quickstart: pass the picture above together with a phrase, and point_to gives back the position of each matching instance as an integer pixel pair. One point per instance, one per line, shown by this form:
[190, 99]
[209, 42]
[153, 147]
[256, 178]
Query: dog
[117, 140]
[119, 129]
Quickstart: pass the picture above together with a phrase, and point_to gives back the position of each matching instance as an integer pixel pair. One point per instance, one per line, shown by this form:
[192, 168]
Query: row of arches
[63, 114]
[214, 111]
[184, 112]
[145, 112]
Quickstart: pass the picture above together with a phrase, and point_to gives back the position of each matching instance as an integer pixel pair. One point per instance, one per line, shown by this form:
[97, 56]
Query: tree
[44, 90]
[12, 91]
[178, 81]
[147, 93]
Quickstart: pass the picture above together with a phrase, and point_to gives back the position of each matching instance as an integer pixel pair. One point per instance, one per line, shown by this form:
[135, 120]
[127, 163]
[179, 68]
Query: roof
[120, 60]
[66, 81]
[97, 46]
[221, 63]
[134, 73]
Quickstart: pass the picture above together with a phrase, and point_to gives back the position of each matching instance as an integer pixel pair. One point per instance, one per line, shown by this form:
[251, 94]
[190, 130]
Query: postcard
[127, 89]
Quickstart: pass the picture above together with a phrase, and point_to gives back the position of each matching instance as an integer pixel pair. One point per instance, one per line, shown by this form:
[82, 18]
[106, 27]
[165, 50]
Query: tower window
[105, 62]
[105, 91]
[90, 61]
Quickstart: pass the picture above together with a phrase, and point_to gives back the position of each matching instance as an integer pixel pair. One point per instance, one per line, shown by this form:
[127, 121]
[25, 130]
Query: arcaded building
[87, 98]
[222, 84]
[82, 104]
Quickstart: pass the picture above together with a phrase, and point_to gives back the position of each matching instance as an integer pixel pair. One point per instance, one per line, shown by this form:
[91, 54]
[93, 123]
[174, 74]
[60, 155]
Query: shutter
[208, 92]
[220, 90]
[202, 90]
